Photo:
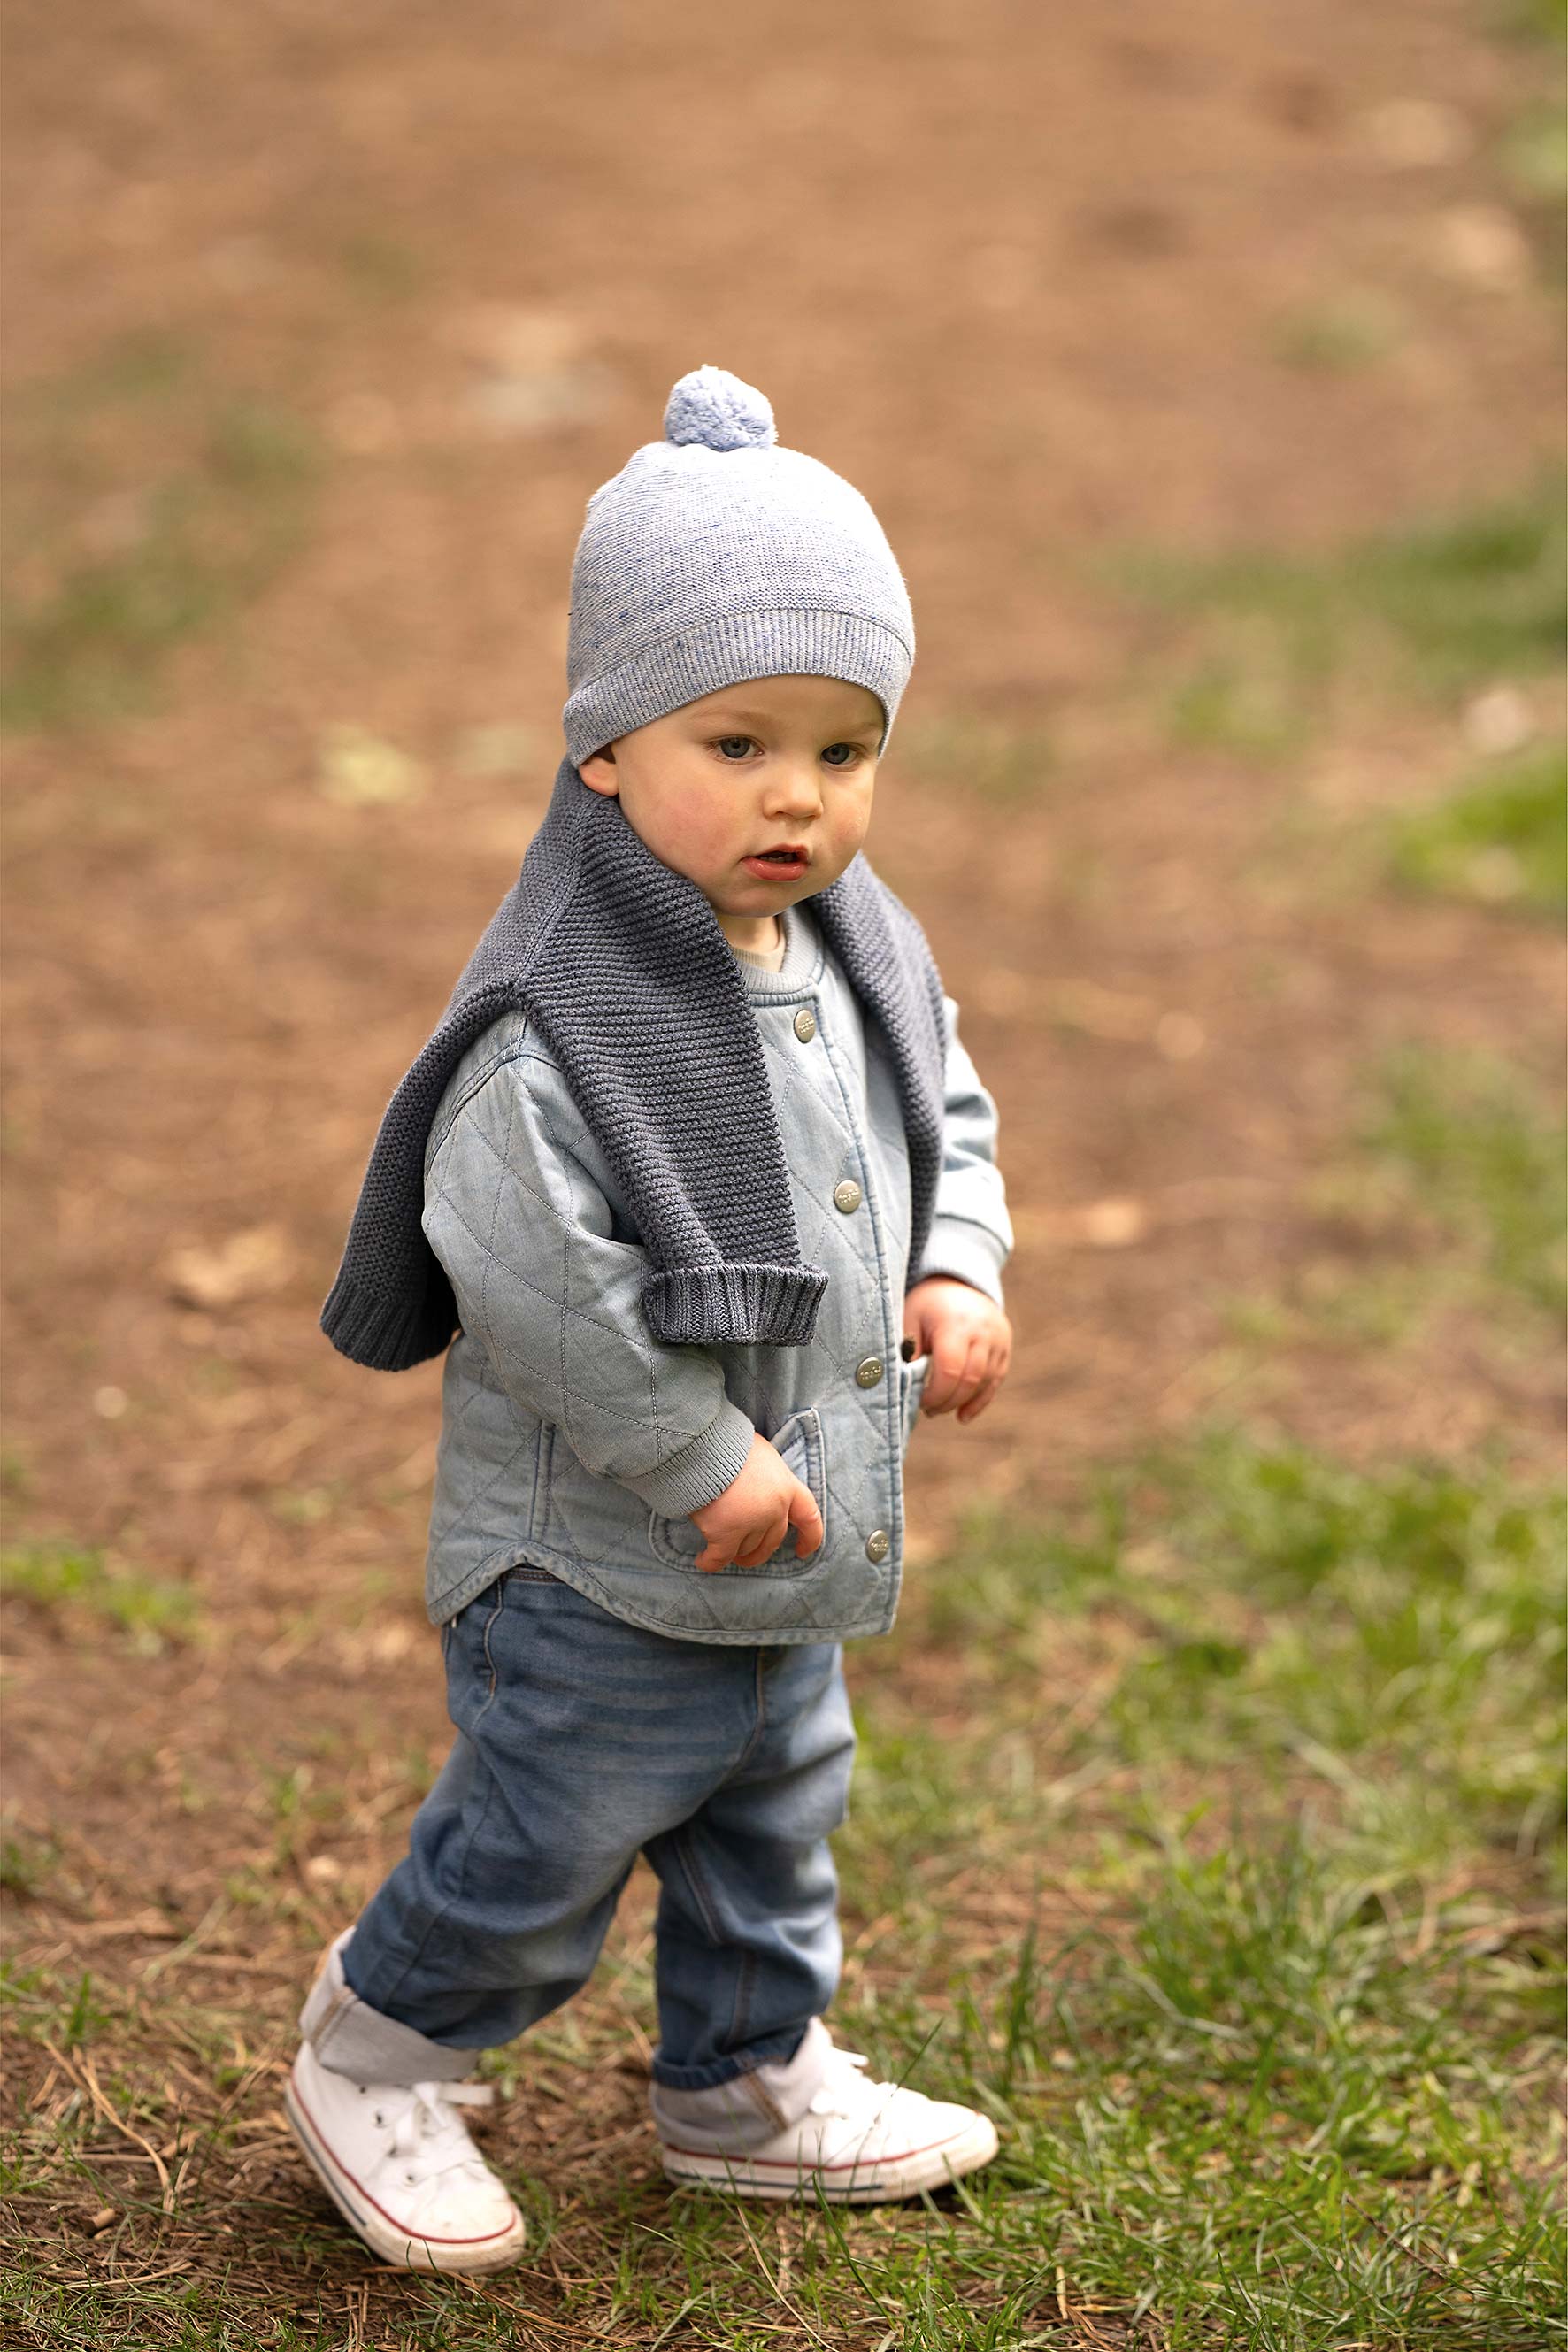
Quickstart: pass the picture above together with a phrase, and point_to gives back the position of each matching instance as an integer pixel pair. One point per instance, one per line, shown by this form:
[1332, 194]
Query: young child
[698, 1184]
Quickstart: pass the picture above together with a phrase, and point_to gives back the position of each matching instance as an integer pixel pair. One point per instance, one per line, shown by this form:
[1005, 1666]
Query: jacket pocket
[799, 1441]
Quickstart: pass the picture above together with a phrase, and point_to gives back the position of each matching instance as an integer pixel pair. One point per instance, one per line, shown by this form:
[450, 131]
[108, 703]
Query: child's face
[771, 765]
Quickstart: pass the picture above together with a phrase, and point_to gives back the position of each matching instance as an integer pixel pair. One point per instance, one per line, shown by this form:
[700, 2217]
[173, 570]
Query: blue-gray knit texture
[621, 963]
[714, 556]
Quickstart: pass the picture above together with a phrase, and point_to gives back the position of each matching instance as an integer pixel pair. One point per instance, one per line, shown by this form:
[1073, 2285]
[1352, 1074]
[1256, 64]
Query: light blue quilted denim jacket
[575, 1441]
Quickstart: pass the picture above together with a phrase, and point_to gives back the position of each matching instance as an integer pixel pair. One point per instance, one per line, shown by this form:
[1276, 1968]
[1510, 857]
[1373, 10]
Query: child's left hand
[968, 1340]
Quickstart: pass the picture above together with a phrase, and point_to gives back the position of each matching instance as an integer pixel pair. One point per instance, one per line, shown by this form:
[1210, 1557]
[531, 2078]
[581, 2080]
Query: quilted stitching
[521, 1209]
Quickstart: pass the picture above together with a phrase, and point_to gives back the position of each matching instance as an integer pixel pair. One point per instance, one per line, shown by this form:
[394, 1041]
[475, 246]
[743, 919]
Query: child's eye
[733, 746]
[842, 755]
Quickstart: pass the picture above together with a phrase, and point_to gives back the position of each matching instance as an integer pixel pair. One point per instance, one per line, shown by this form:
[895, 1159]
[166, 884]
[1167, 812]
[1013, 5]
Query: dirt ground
[1021, 273]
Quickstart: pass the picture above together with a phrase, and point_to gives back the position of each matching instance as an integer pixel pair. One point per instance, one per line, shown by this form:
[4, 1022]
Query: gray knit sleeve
[518, 1210]
[972, 1233]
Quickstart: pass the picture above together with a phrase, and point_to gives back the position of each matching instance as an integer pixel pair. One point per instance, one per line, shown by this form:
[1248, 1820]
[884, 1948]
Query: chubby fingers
[760, 1543]
[748, 1547]
[975, 1404]
[954, 1374]
[743, 1545]
[806, 1520]
[966, 1374]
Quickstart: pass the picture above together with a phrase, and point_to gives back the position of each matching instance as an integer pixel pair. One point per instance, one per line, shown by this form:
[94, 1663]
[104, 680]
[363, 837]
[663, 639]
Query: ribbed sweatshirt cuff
[967, 1252]
[699, 1473]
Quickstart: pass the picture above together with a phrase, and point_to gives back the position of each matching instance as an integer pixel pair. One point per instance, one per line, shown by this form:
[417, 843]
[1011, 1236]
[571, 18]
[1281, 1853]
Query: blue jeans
[583, 1741]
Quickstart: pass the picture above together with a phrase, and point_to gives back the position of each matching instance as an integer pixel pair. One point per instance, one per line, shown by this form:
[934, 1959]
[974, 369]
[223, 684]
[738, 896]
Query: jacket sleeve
[970, 1234]
[524, 1226]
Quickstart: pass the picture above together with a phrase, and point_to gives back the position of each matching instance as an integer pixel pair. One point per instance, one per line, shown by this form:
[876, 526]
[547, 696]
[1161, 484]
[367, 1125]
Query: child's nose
[795, 790]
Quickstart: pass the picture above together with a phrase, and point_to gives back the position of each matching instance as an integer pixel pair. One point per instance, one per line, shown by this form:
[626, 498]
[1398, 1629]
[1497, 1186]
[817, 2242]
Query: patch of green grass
[1243, 701]
[61, 2009]
[1335, 1302]
[989, 757]
[1340, 336]
[27, 1862]
[1258, 2110]
[1533, 153]
[69, 1581]
[1537, 20]
[1399, 1629]
[1265, 640]
[1501, 838]
[1466, 1140]
[151, 506]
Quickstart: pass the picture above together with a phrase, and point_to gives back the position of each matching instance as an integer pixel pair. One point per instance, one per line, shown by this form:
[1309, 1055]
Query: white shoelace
[848, 2093]
[430, 2138]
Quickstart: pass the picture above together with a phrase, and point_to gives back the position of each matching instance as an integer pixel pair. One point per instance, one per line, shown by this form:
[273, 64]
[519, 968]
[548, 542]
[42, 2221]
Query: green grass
[1261, 646]
[1537, 20]
[1467, 1141]
[149, 505]
[1500, 838]
[27, 1862]
[1251, 2113]
[1396, 1632]
[77, 1585]
[1533, 153]
[990, 757]
[1338, 336]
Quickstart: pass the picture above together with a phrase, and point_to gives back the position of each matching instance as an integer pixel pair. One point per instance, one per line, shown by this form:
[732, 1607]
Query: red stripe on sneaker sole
[419, 2237]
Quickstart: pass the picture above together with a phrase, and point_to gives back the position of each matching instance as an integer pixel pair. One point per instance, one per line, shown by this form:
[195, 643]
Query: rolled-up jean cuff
[775, 2050]
[350, 2038]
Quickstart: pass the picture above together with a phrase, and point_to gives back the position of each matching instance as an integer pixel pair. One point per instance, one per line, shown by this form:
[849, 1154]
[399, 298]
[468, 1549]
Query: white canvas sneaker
[397, 2162]
[818, 2127]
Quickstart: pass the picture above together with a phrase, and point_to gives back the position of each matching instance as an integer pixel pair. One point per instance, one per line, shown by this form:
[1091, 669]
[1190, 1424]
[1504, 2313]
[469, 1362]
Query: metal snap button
[846, 1196]
[806, 1024]
[876, 1544]
[868, 1372]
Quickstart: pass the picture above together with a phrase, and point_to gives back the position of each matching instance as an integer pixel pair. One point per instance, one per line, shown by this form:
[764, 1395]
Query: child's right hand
[753, 1516]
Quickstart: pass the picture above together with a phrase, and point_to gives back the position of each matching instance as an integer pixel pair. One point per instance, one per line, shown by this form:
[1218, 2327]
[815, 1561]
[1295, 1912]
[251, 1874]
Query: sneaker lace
[430, 2138]
[847, 2093]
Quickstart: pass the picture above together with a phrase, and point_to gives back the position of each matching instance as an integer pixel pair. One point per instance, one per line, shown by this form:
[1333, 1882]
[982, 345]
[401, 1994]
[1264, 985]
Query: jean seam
[415, 1957]
[760, 1688]
[701, 1893]
[437, 1916]
[685, 1846]
[490, 1660]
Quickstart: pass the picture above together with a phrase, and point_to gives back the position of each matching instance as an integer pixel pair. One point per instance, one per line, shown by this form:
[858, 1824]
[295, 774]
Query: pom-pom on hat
[715, 555]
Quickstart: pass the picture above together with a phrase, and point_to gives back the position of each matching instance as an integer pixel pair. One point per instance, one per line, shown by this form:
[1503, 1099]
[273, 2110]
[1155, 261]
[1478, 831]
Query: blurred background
[1205, 369]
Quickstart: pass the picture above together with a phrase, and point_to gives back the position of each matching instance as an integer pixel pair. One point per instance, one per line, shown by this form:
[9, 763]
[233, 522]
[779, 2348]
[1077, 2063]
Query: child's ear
[598, 773]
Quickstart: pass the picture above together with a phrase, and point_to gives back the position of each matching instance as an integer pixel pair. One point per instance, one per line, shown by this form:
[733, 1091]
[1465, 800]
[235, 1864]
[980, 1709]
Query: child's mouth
[786, 865]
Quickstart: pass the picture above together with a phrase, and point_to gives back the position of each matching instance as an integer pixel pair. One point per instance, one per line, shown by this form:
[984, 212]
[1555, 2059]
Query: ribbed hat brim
[724, 652]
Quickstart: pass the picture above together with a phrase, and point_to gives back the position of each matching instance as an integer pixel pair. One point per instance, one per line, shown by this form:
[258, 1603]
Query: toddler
[694, 1186]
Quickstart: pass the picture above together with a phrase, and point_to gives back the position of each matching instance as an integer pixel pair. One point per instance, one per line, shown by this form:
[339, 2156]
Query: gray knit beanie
[714, 556]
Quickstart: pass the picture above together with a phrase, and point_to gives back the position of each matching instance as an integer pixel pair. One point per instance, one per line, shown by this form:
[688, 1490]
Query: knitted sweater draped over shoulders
[621, 964]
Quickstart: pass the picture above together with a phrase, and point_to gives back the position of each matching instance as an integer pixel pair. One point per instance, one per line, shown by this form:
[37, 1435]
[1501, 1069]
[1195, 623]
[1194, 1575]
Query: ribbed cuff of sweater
[966, 1252]
[699, 1473]
[734, 1304]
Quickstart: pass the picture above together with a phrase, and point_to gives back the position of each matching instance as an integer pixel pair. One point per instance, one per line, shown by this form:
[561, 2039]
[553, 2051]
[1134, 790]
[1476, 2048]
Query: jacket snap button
[805, 1025]
[876, 1544]
[846, 1196]
[868, 1372]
